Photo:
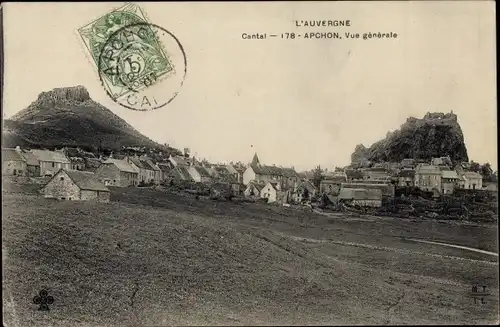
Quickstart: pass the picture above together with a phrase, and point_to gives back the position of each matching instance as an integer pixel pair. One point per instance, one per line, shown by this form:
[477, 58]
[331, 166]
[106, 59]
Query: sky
[301, 102]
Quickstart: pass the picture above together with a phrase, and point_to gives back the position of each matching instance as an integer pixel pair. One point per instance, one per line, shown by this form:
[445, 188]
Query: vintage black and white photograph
[249, 163]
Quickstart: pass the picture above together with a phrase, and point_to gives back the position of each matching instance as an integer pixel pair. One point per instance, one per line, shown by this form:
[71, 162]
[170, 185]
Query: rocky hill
[69, 117]
[435, 135]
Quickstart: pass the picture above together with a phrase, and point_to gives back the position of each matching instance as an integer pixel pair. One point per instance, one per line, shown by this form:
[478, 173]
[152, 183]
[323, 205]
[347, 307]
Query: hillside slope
[154, 259]
[435, 135]
[68, 116]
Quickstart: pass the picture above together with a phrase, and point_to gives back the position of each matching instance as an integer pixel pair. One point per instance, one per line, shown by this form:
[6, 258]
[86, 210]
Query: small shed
[75, 185]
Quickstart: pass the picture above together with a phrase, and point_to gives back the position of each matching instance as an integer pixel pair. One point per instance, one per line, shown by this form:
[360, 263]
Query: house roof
[407, 173]
[121, 164]
[308, 185]
[360, 194]
[327, 174]
[12, 155]
[229, 179]
[338, 179]
[240, 169]
[84, 180]
[273, 184]
[202, 171]
[223, 174]
[136, 161]
[181, 172]
[258, 186]
[255, 160]
[51, 156]
[231, 169]
[180, 160]
[76, 160]
[377, 169]
[472, 174]
[491, 187]
[450, 174]
[213, 172]
[274, 171]
[164, 167]
[220, 170]
[428, 169]
[149, 165]
[30, 158]
[351, 173]
[333, 181]
[92, 162]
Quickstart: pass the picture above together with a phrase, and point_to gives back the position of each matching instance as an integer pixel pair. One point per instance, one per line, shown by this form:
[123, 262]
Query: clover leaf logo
[43, 299]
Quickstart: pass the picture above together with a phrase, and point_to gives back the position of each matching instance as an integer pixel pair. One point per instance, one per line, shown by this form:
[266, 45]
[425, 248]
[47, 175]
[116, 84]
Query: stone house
[148, 172]
[361, 197]
[253, 190]
[143, 173]
[353, 175]
[270, 192]
[165, 169]
[339, 173]
[32, 163]
[199, 174]
[238, 169]
[75, 185]
[223, 175]
[490, 187]
[449, 181]
[179, 173]
[375, 173]
[154, 172]
[91, 164]
[387, 190]
[235, 173]
[471, 180]
[180, 161]
[331, 186]
[406, 177]
[304, 190]
[261, 173]
[428, 178]
[408, 163]
[117, 172]
[441, 161]
[13, 163]
[51, 161]
[77, 163]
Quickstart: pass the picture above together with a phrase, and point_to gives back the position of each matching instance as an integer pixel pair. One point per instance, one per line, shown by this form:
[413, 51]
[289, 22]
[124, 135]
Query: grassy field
[150, 258]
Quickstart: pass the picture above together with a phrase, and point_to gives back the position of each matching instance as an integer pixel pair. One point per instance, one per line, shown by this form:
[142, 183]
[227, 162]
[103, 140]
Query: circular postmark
[142, 66]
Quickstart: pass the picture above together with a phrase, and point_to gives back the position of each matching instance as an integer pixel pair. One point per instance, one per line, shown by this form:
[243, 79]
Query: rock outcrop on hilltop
[68, 116]
[435, 135]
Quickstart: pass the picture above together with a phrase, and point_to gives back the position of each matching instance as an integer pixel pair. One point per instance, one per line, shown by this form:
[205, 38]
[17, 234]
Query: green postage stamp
[128, 53]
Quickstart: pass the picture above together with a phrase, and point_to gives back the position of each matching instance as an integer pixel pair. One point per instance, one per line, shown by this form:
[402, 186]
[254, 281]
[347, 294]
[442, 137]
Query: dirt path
[455, 246]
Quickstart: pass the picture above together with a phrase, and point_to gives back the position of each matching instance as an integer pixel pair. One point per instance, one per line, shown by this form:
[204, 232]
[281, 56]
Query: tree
[474, 166]
[487, 172]
[317, 176]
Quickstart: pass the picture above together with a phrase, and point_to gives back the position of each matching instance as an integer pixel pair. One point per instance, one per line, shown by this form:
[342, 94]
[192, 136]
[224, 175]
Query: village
[385, 188]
